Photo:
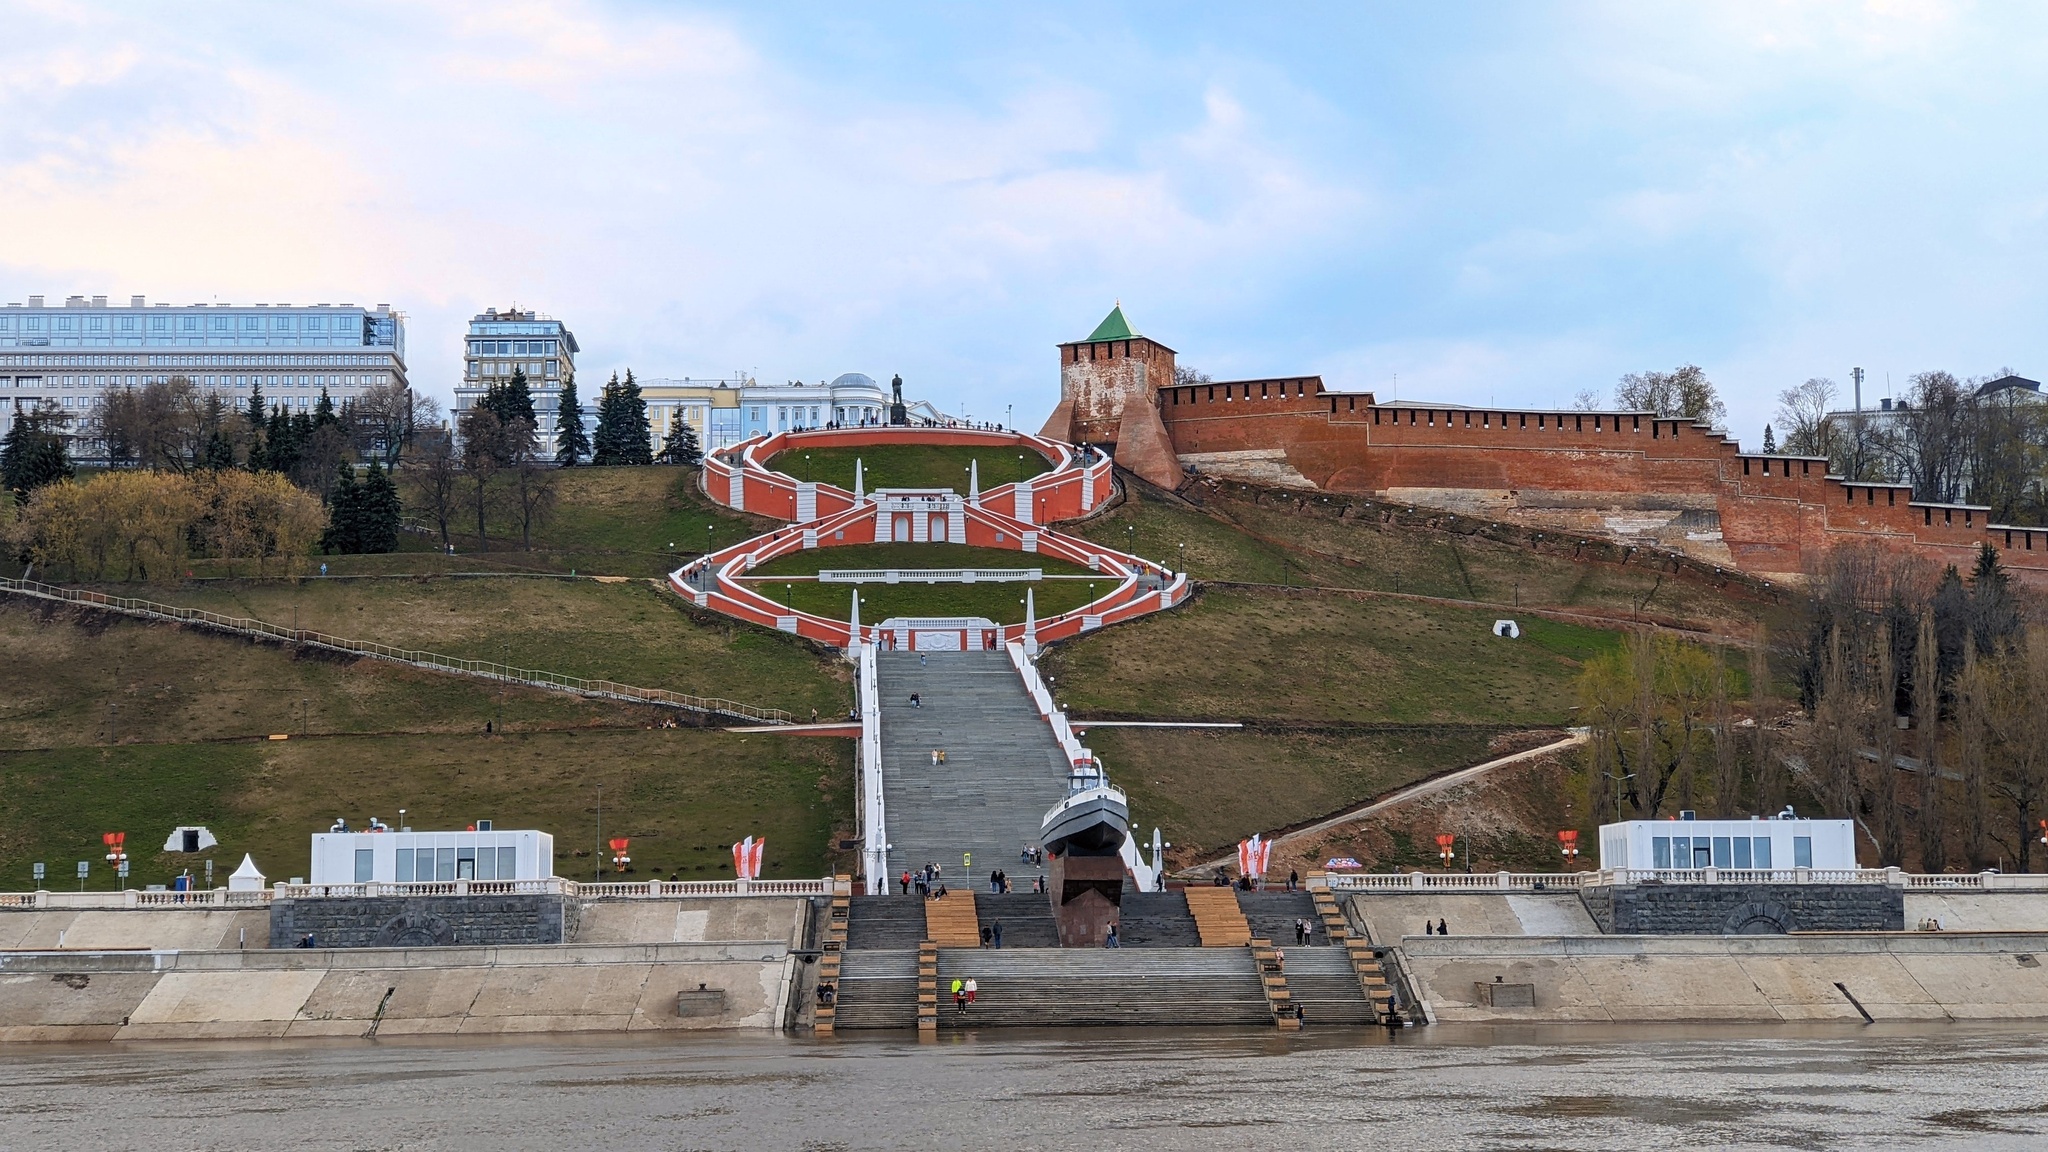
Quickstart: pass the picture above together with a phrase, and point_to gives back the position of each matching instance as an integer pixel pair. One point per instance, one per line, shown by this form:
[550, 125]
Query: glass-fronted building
[71, 356]
[501, 343]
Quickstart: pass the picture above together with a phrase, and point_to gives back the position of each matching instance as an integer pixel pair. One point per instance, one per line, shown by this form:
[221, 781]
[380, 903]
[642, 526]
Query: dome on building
[854, 380]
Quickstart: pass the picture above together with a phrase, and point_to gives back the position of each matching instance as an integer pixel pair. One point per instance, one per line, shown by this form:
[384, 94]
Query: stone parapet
[1744, 909]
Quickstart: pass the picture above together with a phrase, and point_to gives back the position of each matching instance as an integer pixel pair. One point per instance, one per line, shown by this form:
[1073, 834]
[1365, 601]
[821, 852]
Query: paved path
[1003, 769]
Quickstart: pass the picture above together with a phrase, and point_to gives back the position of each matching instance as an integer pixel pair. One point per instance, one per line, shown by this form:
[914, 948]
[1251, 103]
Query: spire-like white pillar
[853, 629]
[1030, 622]
[858, 491]
[974, 482]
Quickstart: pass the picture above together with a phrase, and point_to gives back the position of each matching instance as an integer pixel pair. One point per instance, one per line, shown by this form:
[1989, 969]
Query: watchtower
[1109, 398]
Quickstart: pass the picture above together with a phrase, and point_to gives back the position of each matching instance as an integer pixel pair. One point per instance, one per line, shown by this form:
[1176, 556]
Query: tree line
[1947, 438]
[1922, 716]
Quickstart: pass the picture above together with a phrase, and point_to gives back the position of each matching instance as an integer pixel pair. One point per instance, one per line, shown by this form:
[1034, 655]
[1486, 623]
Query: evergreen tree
[344, 514]
[253, 416]
[572, 443]
[380, 510]
[681, 445]
[1770, 442]
[32, 453]
[511, 401]
[323, 411]
[623, 436]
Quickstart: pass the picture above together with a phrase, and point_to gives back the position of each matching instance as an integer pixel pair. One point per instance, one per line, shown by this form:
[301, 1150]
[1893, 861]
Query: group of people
[938, 756]
[999, 882]
[1437, 929]
[1304, 931]
[992, 934]
[1033, 855]
[926, 880]
[963, 994]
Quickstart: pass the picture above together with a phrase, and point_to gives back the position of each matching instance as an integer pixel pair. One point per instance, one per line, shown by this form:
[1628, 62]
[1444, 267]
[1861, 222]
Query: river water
[1447, 1087]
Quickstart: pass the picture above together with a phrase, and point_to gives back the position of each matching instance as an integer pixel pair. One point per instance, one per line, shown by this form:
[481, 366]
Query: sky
[1473, 203]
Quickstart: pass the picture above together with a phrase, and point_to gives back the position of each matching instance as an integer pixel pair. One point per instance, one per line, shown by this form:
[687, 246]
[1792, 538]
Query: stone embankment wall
[1727, 909]
[1893, 976]
[421, 921]
[638, 965]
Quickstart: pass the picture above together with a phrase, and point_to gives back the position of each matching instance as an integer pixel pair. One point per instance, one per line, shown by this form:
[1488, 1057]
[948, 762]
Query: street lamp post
[1183, 557]
[707, 540]
[600, 832]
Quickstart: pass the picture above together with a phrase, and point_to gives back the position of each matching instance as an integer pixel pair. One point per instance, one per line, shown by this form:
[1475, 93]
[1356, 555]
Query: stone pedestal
[1086, 894]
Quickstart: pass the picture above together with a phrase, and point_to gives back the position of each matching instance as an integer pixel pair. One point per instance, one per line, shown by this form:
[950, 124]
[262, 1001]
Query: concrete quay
[644, 965]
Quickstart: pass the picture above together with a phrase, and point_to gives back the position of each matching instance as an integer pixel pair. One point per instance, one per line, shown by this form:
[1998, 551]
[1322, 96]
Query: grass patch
[1245, 654]
[682, 795]
[1209, 789]
[76, 678]
[629, 632]
[909, 465]
[999, 602]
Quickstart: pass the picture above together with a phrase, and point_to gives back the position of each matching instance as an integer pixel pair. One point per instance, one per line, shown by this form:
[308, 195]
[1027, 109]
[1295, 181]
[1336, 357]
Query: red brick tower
[1109, 398]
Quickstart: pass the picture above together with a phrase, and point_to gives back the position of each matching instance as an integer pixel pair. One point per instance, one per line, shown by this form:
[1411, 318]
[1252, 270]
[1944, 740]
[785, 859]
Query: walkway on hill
[1003, 769]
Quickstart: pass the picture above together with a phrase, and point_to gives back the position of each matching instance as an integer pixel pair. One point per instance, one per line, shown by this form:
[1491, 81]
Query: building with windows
[1756, 844]
[501, 343]
[726, 412]
[71, 356]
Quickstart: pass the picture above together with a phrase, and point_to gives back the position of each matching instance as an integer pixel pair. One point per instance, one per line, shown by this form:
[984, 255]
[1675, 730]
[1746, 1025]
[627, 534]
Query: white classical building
[1754, 844]
[387, 857]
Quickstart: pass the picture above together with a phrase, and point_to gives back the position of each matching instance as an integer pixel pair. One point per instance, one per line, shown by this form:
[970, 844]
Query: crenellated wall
[1625, 473]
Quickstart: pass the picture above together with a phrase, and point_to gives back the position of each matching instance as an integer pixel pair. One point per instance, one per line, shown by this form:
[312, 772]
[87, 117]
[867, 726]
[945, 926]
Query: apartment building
[501, 343]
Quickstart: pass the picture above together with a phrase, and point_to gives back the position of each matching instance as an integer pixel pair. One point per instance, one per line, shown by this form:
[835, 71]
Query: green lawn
[908, 466]
[682, 795]
[1237, 654]
[631, 631]
[995, 601]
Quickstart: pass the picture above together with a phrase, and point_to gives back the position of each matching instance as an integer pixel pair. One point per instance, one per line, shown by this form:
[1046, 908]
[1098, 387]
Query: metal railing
[217, 898]
[432, 661]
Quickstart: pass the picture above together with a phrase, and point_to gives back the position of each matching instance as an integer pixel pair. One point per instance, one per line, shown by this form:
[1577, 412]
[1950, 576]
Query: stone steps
[950, 921]
[1218, 918]
[1272, 915]
[1043, 987]
[1157, 920]
[877, 989]
[885, 922]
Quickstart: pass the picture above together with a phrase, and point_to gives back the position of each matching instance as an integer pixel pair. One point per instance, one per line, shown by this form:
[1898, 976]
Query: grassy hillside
[682, 795]
[908, 466]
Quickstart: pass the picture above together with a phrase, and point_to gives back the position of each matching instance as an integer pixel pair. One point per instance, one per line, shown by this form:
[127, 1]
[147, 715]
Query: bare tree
[1684, 392]
[159, 425]
[1588, 400]
[1884, 740]
[383, 421]
[1972, 691]
[1770, 775]
[1833, 738]
[533, 488]
[2017, 719]
[1727, 765]
[485, 448]
[432, 474]
[1803, 415]
[1927, 691]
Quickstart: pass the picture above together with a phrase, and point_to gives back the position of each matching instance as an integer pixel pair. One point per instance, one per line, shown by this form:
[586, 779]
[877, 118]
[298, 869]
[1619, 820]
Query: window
[508, 863]
[1681, 851]
[365, 863]
[1723, 857]
[1702, 852]
[444, 864]
[127, 323]
[220, 323]
[281, 323]
[404, 873]
[1802, 851]
[487, 864]
[315, 324]
[1742, 856]
[189, 323]
[465, 863]
[159, 323]
[1660, 852]
[97, 323]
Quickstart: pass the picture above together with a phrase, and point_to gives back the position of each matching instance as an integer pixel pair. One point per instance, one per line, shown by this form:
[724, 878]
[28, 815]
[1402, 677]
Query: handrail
[874, 823]
[433, 661]
[1572, 881]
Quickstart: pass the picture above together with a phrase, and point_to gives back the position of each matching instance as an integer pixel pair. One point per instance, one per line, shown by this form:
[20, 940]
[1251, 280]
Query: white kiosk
[1755, 844]
[387, 857]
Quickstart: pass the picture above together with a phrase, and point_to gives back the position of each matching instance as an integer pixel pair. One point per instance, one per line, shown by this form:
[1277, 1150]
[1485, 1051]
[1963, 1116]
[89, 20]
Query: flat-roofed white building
[1754, 844]
[388, 857]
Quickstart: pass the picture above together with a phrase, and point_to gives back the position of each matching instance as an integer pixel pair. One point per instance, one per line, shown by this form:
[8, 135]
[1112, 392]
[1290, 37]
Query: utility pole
[1856, 430]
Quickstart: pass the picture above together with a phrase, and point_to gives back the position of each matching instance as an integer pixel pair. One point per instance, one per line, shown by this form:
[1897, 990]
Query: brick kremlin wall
[1775, 513]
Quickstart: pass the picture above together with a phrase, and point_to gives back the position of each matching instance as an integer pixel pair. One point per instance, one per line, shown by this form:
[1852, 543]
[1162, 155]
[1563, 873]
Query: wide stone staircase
[1325, 988]
[1157, 920]
[1026, 918]
[1003, 768]
[1218, 917]
[877, 989]
[1272, 916]
[1046, 987]
[884, 922]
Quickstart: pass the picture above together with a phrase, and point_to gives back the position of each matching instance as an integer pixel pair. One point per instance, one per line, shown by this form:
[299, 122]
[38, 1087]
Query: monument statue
[897, 413]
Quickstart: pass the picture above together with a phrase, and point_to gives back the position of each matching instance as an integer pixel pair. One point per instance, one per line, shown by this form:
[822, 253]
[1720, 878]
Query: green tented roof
[1113, 327]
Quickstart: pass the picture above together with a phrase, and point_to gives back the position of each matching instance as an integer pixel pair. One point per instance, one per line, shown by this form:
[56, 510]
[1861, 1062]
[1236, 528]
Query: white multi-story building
[501, 343]
[71, 356]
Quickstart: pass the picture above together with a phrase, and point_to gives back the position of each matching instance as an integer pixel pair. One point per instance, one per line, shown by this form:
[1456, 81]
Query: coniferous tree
[623, 436]
[254, 417]
[32, 453]
[681, 445]
[510, 400]
[344, 514]
[1770, 442]
[379, 511]
[323, 411]
[572, 443]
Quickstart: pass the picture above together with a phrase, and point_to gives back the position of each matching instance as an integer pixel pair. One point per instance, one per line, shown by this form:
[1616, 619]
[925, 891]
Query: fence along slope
[432, 661]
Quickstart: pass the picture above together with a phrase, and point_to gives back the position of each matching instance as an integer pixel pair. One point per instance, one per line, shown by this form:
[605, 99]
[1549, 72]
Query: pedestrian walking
[914, 701]
[814, 715]
[920, 659]
[1441, 928]
[995, 929]
[959, 997]
[970, 990]
[1293, 880]
[984, 935]
[995, 881]
[1109, 939]
[906, 881]
[1428, 929]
